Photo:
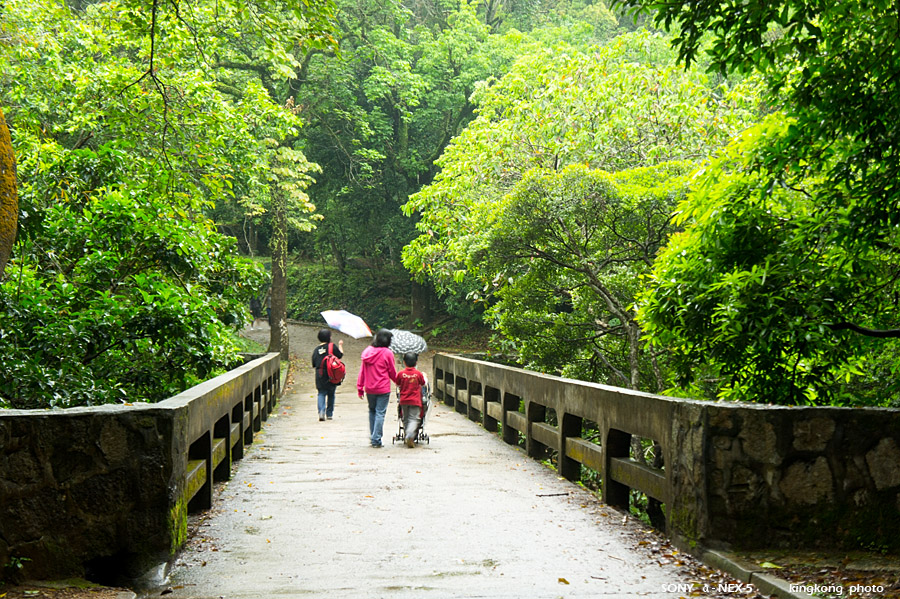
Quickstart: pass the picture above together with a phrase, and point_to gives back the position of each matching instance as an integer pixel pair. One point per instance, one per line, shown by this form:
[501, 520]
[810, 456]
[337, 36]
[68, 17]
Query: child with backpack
[329, 372]
[410, 381]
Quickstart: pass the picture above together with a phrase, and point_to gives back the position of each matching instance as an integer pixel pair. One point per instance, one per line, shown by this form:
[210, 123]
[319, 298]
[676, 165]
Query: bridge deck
[314, 510]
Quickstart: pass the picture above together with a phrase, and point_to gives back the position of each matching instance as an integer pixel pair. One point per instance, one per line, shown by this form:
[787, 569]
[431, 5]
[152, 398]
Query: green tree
[116, 294]
[526, 215]
[382, 111]
[827, 167]
[835, 65]
[567, 254]
[123, 290]
[289, 182]
[757, 301]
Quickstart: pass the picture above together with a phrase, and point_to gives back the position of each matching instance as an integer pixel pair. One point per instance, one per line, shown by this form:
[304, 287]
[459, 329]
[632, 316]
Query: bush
[381, 297]
[115, 294]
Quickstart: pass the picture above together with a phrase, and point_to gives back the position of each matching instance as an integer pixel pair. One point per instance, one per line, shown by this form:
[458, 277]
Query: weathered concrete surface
[314, 511]
[88, 484]
[100, 490]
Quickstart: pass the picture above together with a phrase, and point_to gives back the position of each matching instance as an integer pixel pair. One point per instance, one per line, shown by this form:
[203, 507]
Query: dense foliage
[784, 287]
[114, 294]
[381, 111]
[564, 179]
[752, 294]
[553, 202]
[381, 296]
[120, 288]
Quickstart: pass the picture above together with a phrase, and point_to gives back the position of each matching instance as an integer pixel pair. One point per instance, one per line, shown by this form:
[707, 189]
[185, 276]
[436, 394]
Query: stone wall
[84, 484]
[820, 477]
[108, 488]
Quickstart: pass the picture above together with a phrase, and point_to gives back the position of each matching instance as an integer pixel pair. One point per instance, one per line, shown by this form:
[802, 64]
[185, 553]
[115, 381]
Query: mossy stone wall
[92, 483]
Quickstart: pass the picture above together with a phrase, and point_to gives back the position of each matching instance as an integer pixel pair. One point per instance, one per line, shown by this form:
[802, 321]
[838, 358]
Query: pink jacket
[377, 371]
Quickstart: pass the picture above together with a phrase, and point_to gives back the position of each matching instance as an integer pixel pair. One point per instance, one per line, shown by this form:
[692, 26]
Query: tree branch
[878, 333]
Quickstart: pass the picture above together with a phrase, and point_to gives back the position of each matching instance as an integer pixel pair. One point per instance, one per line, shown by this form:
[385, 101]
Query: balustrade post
[617, 445]
[510, 404]
[569, 426]
[535, 412]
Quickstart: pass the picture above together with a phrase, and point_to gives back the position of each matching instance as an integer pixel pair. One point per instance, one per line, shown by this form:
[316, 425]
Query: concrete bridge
[309, 508]
[313, 510]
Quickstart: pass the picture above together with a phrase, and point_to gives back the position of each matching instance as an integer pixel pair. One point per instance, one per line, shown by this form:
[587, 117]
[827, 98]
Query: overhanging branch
[878, 333]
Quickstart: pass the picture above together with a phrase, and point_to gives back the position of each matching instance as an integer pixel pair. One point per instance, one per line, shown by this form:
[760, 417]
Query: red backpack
[333, 367]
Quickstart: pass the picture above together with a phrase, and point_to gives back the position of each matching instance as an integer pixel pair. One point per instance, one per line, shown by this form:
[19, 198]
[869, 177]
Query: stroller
[426, 410]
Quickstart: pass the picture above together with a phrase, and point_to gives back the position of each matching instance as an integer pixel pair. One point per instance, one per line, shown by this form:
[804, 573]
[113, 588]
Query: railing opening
[476, 401]
[543, 433]
[198, 487]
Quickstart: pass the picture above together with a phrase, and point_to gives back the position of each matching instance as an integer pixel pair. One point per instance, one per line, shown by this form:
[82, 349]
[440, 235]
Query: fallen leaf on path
[563, 581]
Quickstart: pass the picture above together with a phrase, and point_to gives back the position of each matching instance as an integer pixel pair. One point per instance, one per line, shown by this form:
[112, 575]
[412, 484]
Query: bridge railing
[222, 416]
[109, 487]
[586, 424]
[743, 475]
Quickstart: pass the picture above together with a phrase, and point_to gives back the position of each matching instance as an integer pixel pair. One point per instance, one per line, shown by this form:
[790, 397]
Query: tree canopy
[553, 202]
[785, 282]
[710, 210]
[120, 288]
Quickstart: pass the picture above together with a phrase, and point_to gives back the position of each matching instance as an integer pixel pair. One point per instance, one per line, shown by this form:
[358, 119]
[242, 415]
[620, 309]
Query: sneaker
[321, 416]
[330, 417]
[377, 445]
[410, 442]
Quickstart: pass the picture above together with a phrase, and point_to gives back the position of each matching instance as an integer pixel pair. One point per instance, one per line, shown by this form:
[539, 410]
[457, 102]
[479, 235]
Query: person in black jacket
[325, 387]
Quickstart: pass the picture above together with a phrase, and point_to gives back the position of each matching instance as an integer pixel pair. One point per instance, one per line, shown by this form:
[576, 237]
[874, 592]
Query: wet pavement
[313, 510]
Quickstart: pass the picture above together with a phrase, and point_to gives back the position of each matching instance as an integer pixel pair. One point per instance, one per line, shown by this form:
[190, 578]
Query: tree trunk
[402, 137]
[492, 14]
[421, 306]
[337, 253]
[278, 334]
[9, 197]
[634, 354]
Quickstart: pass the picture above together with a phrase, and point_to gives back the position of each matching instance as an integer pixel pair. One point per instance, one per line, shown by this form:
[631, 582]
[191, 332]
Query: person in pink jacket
[375, 377]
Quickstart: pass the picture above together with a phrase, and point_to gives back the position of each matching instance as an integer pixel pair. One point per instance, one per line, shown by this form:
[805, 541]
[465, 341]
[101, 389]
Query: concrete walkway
[313, 510]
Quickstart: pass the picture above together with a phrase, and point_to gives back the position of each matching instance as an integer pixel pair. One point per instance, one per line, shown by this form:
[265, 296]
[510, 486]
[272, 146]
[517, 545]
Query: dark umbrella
[405, 341]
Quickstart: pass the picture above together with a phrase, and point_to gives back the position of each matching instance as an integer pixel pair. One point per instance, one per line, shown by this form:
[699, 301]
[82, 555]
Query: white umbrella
[348, 323]
[406, 341]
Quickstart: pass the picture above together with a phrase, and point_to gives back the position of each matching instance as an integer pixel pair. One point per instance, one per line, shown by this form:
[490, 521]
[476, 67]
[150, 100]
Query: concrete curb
[749, 572]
